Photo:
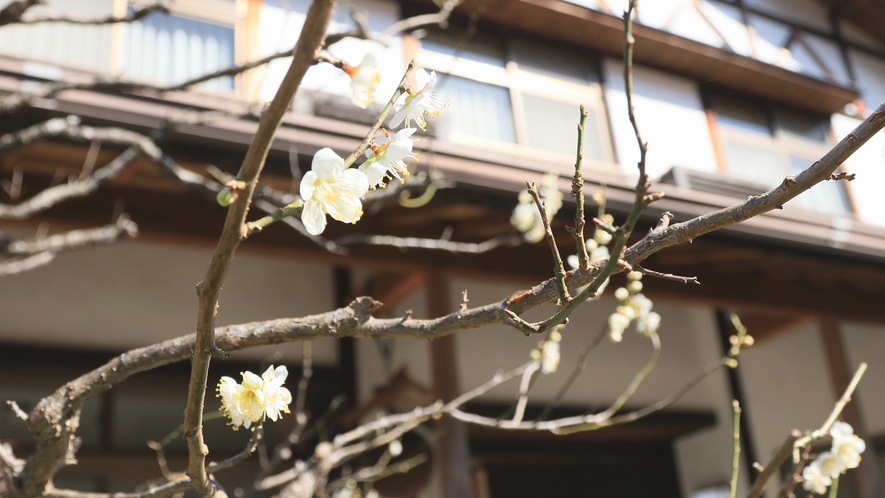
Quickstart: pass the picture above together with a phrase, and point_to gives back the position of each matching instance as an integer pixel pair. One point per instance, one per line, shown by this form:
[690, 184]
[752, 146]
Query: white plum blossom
[363, 79]
[256, 398]
[815, 479]
[387, 158]
[414, 104]
[550, 353]
[830, 464]
[846, 445]
[617, 323]
[527, 219]
[330, 188]
[242, 403]
[276, 397]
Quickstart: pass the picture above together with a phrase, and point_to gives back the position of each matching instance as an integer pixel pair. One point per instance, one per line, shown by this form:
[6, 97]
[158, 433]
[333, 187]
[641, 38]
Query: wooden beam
[454, 449]
[766, 326]
[397, 291]
[866, 478]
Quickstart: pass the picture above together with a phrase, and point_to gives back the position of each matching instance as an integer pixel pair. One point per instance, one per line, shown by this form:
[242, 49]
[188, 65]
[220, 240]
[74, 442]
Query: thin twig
[130, 17]
[736, 460]
[666, 276]
[579, 367]
[558, 268]
[578, 194]
[315, 26]
[774, 465]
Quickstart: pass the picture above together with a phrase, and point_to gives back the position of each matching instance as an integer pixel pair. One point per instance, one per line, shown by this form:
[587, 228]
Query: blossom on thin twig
[847, 445]
[276, 397]
[363, 79]
[256, 398]
[815, 479]
[330, 188]
[527, 219]
[413, 104]
[387, 158]
[242, 403]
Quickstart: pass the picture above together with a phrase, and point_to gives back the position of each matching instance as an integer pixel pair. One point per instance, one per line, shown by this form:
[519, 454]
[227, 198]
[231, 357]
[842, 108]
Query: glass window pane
[826, 197]
[165, 48]
[552, 125]
[559, 63]
[800, 125]
[476, 47]
[478, 110]
[756, 165]
[744, 117]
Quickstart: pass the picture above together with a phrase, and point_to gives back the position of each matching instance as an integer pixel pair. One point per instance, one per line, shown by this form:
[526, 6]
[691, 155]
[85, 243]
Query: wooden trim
[866, 478]
[453, 449]
[603, 33]
[718, 151]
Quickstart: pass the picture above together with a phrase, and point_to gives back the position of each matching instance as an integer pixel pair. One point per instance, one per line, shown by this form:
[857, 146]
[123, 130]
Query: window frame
[519, 82]
[778, 142]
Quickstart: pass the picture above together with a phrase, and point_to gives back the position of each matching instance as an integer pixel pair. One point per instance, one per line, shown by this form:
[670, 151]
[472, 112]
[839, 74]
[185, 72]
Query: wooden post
[866, 479]
[454, 450]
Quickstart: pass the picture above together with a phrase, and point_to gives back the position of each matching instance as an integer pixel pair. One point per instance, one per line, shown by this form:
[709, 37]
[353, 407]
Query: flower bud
[635, 287]
[225, 197]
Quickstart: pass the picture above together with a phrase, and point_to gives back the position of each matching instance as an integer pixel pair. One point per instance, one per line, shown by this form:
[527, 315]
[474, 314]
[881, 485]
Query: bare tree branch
[315, 25]
[75, 239]
[80, 188]
[130, 17]
[28, 263]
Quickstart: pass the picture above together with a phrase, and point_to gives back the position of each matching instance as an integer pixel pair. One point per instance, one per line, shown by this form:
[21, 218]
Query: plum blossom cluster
[256, 398]
[843, 455]
[633, 307]
[330, 187]
[548, 352]
[527, 219]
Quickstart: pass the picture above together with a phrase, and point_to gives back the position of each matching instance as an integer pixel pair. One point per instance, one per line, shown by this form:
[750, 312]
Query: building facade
[732, 95]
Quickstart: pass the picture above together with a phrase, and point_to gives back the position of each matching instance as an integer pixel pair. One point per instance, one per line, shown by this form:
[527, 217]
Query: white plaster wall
[136, 293]
[787, 386]
[670, 115]
[281, 23]
[869, 165]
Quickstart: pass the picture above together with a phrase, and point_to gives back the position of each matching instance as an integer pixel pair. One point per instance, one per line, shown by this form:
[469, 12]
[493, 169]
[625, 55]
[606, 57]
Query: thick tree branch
[315, 25]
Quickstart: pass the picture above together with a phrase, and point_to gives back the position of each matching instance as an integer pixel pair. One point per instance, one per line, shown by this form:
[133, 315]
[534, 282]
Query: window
[172, 48]
[763, 144]
[516, 97]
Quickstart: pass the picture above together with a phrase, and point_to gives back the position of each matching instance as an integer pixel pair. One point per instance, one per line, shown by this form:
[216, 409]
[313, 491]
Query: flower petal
[326, 164]
[313, 217]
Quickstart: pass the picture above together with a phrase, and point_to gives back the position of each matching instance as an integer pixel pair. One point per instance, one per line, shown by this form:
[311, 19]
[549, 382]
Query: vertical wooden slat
[454, 451]
[866, 479]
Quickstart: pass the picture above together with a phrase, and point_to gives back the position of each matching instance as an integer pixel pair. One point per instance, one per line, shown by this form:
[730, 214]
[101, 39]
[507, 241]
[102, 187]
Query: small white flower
[649, 323]
[329, 188]
[846, 445]
[621, 294]
[414, 104]
[527, 218]
[395, 448]
[617, 323]
[276, 397]
[387, 158]
[550, 357]
[242, 403]
[830, 464]
[602, 237]
[599, 254]
[815, 479]
[363, 79]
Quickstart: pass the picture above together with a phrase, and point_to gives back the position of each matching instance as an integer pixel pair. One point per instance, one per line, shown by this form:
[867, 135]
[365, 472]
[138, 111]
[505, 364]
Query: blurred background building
[732, 95]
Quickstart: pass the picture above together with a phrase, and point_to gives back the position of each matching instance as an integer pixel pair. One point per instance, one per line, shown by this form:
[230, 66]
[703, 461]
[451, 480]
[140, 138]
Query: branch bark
[315, 25]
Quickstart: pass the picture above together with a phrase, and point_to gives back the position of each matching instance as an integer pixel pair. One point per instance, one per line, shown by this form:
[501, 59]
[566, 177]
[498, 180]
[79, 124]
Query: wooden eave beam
[603, 34]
